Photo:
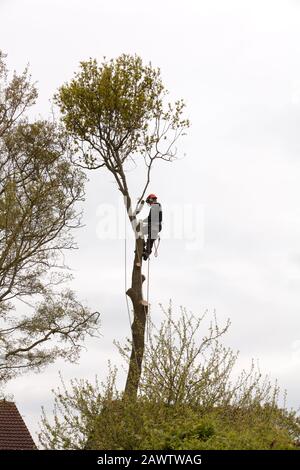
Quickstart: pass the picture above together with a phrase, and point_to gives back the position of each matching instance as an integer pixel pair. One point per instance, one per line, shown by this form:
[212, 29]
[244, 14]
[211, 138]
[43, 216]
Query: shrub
[187, 400]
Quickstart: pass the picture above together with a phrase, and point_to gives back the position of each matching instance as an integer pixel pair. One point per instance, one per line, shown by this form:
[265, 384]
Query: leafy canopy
[39, 192]
[117, 109]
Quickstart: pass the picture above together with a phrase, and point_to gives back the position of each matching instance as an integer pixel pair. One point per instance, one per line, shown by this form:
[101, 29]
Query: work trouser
[148, 245]
[152, 236]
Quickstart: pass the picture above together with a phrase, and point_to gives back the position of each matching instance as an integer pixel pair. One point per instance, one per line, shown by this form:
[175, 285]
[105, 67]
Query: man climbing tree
[116, 113]
[152, 225]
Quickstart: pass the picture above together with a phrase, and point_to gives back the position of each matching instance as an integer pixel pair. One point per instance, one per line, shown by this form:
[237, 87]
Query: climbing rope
[125, 262]
[148, 304]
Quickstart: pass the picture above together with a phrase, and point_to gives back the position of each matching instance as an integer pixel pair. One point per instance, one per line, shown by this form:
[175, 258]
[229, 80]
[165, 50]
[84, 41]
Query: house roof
[14, 434]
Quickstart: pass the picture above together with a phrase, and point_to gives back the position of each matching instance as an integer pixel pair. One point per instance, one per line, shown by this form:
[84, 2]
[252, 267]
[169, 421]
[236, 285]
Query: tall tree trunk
[140, 310]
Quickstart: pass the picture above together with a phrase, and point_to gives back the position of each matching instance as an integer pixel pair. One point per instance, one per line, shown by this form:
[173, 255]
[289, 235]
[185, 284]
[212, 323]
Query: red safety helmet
[151, 197]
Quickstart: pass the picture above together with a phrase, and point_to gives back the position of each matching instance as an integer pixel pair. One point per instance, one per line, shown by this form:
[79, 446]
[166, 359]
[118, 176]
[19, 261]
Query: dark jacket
[154, 220]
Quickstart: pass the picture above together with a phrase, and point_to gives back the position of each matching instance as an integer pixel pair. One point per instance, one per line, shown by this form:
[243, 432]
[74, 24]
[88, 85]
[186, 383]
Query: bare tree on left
[39, 191]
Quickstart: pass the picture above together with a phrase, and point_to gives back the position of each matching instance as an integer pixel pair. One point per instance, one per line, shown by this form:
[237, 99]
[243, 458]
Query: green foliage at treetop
[116, 109]
[120, 94]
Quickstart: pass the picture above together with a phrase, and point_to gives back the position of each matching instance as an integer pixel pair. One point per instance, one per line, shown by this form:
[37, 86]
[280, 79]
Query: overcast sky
[237, 66]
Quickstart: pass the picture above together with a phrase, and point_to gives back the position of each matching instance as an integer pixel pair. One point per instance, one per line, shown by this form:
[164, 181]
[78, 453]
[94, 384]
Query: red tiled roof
[14, 434]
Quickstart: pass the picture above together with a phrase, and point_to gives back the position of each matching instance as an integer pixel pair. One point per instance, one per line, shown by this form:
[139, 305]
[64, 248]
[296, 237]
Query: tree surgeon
[152, 224]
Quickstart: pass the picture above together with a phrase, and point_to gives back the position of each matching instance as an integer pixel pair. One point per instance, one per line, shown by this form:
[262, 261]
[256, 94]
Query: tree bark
[140, 310]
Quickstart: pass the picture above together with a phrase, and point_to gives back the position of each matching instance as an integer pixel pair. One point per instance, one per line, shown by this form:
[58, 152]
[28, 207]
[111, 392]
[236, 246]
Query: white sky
[237, 66]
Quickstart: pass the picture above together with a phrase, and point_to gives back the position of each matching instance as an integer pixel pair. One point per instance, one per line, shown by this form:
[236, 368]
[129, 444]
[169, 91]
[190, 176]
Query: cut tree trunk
[140, 311]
